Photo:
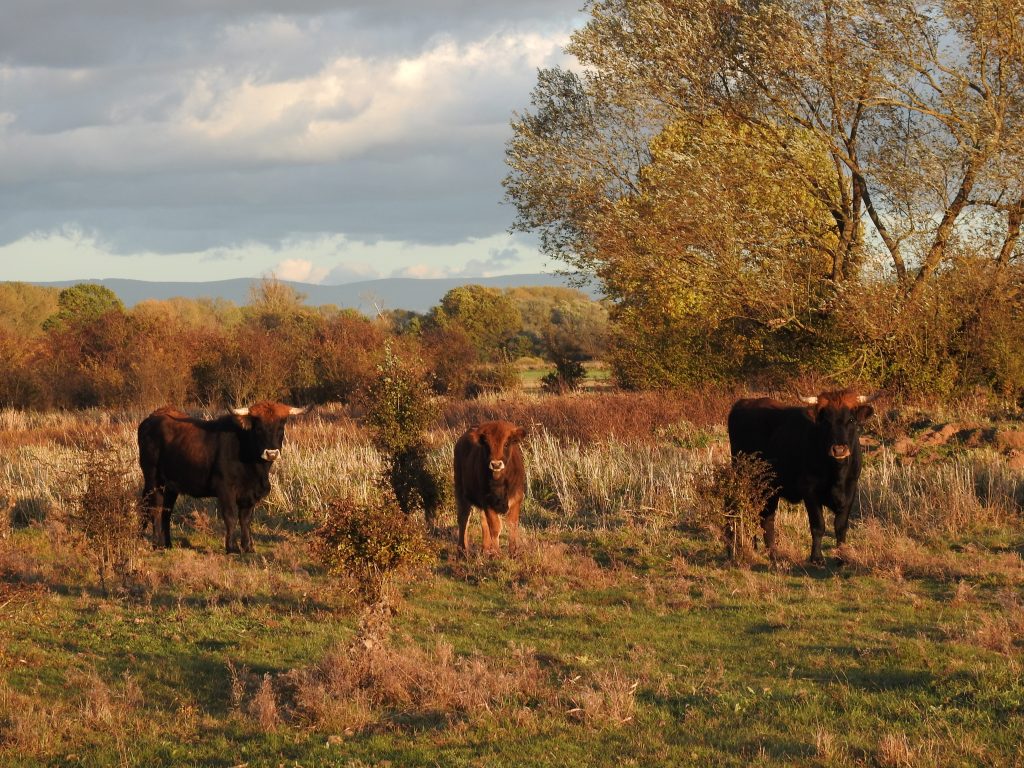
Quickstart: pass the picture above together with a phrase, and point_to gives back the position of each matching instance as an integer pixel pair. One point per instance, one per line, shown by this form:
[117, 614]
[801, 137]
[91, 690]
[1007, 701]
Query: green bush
[371, 543]
[398, 404]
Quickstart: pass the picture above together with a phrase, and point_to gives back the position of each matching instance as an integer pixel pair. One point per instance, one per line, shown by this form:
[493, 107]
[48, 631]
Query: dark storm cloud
[186, 126]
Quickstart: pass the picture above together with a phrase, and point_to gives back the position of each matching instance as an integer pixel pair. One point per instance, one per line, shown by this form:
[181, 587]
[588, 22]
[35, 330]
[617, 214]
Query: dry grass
[374, 681]
[263, 706]
[33, 725]
[609, 700]
[998, 628]
[894, 751]
[611, 483]
[941, 499]
[596, 417]
[826, 746]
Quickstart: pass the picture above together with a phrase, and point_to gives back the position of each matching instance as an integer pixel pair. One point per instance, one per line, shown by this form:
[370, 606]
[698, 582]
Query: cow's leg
[842, 524]
[244, 521]
[229, 511]
[492, 530]
[464, 510]
[154, 501]
[170, 497]
[768, 526]
[817, 521]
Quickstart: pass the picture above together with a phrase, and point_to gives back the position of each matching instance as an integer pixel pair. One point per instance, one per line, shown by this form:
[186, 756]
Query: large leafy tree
[739, 162]
[83, 303]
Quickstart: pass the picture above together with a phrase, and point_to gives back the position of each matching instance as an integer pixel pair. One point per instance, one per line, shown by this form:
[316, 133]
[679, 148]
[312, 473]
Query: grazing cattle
[228, 459]
[813, 452]
[489, 474]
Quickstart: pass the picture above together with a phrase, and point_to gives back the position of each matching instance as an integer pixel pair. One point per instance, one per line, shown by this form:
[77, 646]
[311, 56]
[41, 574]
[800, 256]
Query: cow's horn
[869, 398]
[296, 411]
[240, 411]
[812, 400]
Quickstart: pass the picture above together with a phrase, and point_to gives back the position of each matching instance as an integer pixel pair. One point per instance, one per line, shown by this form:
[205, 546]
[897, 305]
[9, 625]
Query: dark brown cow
[228, 459]
[489, 474]
[814, 454]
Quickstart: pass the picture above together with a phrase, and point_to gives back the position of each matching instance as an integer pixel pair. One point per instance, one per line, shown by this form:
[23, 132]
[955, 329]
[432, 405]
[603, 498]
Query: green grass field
[596, 375]
[618, 635]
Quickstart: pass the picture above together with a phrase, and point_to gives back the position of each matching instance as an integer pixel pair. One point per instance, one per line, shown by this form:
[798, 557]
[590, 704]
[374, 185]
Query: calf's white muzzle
[497, 466]
[270, 454]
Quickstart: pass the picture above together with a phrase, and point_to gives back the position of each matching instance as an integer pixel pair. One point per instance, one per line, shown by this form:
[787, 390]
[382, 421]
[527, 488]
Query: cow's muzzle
[270, 454]
[497, 466]
[840, 452]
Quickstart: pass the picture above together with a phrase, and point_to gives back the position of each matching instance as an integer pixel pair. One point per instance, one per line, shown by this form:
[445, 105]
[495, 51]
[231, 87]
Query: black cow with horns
[813, 452]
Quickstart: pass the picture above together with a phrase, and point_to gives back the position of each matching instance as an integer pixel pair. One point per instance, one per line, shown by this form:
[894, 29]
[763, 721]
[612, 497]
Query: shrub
[730, 500]
[106, 512]
[399, 408]
[567, 377]
[372, 543]
[415, 483]
[502, 376]
[452, 356]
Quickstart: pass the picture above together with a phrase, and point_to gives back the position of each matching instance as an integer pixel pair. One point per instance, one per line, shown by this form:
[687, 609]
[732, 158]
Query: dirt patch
[1015, 460]
[1009, 442]
[1009, 439]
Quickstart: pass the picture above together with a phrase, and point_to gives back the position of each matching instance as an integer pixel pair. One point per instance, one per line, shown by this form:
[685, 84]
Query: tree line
[81, 347]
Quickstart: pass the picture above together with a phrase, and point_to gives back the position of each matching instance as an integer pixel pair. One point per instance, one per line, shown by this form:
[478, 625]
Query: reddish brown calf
[489, 474]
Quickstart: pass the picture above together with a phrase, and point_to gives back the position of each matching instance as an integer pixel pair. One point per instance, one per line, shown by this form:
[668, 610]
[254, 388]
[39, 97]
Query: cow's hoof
[818, 561]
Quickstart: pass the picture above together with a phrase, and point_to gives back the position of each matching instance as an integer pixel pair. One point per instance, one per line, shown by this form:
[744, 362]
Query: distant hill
[416, 294]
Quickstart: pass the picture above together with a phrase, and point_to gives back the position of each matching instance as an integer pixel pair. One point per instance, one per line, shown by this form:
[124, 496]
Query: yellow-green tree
[751, 162]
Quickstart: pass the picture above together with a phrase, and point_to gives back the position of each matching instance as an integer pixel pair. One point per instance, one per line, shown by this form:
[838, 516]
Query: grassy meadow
[619, 634]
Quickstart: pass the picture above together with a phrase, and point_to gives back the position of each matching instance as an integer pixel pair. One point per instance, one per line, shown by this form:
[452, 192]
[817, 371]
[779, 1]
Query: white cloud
[299, 270]
[420, 271]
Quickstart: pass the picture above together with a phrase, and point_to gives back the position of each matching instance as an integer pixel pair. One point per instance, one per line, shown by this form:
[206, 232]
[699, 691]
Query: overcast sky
[208, 139]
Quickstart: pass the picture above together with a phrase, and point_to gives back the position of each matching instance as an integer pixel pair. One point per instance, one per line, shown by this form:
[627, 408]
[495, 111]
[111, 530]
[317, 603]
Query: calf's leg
[492, 530]
[464, 510]
[513, 525]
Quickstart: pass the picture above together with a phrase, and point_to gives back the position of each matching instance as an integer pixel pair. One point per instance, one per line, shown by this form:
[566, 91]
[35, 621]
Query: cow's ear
[863, 412]
[519, 434]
